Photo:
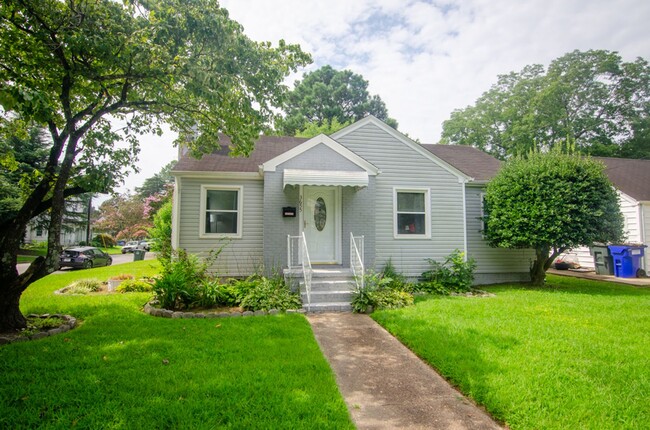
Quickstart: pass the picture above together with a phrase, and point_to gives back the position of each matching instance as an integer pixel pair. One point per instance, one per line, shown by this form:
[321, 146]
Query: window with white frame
[483, 214]
[412, 213]
[221, 211]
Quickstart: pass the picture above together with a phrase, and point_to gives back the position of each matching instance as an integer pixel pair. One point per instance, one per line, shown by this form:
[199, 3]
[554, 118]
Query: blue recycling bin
[627, 259]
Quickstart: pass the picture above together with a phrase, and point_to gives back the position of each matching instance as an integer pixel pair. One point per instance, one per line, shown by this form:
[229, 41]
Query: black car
[84, 257]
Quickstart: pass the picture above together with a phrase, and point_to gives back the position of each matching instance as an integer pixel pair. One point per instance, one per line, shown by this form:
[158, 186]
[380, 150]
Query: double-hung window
[221, 211]
[412, 213]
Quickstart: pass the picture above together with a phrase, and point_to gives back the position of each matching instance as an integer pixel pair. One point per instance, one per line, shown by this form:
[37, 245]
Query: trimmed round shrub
[134, 286]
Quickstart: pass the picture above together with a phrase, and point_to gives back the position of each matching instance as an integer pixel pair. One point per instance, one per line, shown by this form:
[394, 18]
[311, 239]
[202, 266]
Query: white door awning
[325, 177]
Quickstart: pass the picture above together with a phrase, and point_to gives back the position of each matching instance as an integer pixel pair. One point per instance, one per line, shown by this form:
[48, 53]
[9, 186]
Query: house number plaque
[320, 214]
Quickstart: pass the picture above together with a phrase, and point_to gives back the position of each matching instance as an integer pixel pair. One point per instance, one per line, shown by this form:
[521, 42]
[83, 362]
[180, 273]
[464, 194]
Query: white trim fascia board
[273, 163]
[219, 175]
[627, 197]
[370, 119]
[176, 213]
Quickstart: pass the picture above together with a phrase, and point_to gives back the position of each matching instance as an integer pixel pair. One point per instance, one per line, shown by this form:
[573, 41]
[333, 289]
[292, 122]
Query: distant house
[73, 228]
[409, 202]
[631, 178]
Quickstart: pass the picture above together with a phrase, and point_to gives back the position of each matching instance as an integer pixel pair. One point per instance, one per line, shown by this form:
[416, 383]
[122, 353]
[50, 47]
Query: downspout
[642, 234]
[464, 185]
[176, 207]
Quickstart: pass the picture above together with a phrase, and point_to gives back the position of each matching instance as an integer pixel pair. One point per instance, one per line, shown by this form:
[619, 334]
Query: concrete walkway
[384, 384]
[638, 282]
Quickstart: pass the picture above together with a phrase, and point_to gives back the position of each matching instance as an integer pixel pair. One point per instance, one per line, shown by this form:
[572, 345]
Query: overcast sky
[425, 59]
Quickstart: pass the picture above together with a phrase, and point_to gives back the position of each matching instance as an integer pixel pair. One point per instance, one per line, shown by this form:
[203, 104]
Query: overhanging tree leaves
[73, 66]
[551, 202]
[325, 95]
[591, 98]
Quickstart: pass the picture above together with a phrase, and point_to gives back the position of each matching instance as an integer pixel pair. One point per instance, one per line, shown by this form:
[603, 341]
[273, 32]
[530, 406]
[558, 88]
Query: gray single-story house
[408, 201]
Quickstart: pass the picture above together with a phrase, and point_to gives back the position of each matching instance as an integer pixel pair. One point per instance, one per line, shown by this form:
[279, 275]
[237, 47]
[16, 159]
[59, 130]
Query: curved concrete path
[384, 384]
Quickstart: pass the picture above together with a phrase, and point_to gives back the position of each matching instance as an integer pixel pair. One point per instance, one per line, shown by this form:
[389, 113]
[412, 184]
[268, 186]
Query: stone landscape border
[69, 324]
[166, 313]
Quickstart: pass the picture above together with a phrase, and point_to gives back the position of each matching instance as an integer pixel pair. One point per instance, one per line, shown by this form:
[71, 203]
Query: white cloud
[426, 58]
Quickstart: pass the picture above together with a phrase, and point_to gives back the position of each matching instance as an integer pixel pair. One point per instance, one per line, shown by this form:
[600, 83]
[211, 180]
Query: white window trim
[427, 212]
[240, 211]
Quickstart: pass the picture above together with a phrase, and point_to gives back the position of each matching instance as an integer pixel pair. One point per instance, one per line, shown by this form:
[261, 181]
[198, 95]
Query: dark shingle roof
[266, 148]
[471, 161]
[630, 176]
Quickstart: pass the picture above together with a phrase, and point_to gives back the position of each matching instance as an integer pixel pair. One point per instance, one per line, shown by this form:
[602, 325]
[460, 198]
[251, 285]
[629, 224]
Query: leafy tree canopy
[551, 202]
[592, 98]
[325, 95]
[74, 66]
[158, 182]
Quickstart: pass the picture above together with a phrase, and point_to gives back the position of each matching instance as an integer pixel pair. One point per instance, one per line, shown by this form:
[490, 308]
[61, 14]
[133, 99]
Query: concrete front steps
[331, 289]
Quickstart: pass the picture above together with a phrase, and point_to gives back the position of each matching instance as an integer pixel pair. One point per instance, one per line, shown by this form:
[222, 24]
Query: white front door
[321, 224]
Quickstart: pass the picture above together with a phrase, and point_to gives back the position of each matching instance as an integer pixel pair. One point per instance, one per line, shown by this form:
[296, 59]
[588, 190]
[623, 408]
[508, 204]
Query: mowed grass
[124, 369]
[572, 355]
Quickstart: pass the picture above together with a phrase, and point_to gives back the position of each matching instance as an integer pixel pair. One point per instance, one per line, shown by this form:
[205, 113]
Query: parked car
[129, 247]
[144, 245]
[84, 257]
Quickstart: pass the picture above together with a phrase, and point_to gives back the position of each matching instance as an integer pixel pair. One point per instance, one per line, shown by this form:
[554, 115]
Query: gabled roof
[321, 139]
[630, 176]
[469, 160]
[266, 148]
[407, 141]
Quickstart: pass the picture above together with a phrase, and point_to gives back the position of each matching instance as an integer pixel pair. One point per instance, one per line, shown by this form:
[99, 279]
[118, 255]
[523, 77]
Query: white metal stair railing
[356, 259]
[304, 262]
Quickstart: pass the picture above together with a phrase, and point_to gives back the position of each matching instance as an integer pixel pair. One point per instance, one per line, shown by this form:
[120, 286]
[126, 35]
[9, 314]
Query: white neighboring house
[632, 181]
[73, 229]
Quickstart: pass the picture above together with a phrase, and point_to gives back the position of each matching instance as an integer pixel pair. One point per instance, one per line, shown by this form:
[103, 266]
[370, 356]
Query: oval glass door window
[320, 214]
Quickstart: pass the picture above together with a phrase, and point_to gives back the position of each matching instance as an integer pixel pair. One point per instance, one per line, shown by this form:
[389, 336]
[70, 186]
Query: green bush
[453, 275]
[380, 292]
[134, 286]
[103, 241]
[84, 286]
[174, 291]
[391, 299]
[270, 294]
[398, 281]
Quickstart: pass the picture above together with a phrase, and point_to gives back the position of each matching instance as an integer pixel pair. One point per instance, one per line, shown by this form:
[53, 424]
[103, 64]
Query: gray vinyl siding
[277, 227]
[404, 167]
[320, 157]
[240, 256]
[356, 204]
[493, 264]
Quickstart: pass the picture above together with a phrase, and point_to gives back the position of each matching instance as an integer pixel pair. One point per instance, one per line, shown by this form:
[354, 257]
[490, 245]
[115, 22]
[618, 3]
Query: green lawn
[572, 355]
[123, 369]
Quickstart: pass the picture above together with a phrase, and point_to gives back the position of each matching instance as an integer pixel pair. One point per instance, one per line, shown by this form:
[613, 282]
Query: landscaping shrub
[173, 291]
[103, 241]
[84, 286]
[391, 299]
[134, 286]
[122, 277]
[398, 281]
[378, 292]
[270, 293]
[453, 275]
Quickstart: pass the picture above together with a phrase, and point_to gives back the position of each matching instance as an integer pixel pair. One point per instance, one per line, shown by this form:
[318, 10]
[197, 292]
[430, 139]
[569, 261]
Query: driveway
[117, 259]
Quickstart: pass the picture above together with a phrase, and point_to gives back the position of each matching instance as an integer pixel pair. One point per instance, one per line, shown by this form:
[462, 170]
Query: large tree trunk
[538, 269]
[11, 319]
[544, 259]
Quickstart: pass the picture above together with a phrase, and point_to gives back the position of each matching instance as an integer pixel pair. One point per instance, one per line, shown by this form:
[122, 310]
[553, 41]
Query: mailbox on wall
[288, 211]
